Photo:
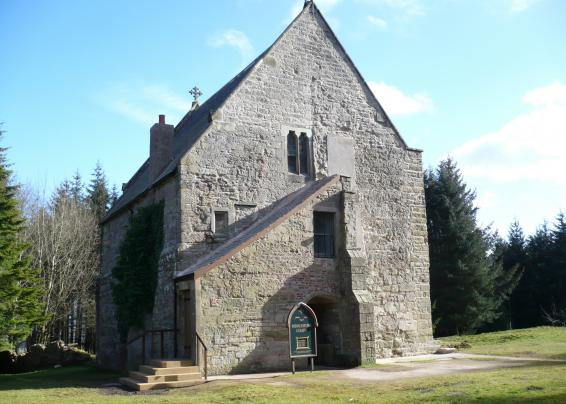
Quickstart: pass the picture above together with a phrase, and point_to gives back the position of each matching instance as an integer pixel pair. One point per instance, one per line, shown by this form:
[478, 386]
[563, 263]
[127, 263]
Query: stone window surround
[285, 129]
[213, 212]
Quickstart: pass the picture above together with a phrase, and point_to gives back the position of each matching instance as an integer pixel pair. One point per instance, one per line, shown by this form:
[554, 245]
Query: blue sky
[481, 80]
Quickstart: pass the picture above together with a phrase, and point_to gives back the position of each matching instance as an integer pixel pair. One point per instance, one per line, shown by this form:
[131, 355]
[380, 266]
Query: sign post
[302, 324]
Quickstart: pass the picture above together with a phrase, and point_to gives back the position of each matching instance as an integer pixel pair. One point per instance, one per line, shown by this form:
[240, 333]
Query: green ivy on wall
[135, 274]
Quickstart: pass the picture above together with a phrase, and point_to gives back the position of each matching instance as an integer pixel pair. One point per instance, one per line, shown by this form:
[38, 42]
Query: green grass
[538, 381]
[543, 382]
[540, 342]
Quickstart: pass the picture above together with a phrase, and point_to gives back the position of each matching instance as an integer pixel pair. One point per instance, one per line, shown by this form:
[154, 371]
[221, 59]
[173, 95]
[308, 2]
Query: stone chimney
[160, 147]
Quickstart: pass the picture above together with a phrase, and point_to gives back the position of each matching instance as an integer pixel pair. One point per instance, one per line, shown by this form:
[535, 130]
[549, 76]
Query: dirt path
[403, 368]
[385, 370]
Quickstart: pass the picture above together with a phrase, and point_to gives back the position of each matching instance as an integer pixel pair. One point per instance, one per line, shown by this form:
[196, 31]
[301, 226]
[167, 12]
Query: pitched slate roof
[272, 217]
[187, 132]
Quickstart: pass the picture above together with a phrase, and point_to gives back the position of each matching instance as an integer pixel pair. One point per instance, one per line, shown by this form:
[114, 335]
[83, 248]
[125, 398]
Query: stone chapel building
[288, 185]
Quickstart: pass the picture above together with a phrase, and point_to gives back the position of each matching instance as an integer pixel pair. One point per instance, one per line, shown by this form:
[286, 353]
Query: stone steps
[136, 385]
[165, 363]
[145, 378]
[151, 370]
[163, 374]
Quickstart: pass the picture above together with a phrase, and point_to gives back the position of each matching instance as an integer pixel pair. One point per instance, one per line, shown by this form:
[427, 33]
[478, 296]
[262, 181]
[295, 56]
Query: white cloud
[554, 94]
[396, 103]
[517, 6]
[529, 147]
[131, 111]
[376, 21]
[143, 103]
[235, 39]
[485, 200]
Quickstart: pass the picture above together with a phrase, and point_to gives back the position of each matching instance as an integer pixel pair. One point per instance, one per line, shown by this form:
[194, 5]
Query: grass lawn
[540, 342]
[538, 381]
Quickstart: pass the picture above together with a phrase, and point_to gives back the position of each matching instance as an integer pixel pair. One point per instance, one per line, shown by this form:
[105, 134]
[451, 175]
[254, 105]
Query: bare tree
[63, 235]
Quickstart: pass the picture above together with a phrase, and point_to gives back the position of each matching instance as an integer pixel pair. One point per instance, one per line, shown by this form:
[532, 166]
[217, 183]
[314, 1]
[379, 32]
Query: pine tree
[97, 193]
[555, 310]
[508, 257]
[77, 187]
[21, 290]
[61, 194]
[531, 297]
[114, 195]
[462, 280]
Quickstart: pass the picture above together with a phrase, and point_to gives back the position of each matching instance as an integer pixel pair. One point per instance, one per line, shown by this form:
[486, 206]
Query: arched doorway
[329, 335]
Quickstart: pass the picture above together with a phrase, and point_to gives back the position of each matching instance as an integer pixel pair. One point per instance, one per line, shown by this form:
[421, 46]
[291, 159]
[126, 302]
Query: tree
[507, 266]
[462, 277]
[555, 306]
[114, 195]
[62, 193]
[530, 297]
[64, 236]
[97, 193]
[77, 187]
[20, 284]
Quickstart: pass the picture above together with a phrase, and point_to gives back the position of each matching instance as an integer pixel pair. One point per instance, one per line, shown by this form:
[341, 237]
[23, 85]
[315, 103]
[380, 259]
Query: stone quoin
[288, 185]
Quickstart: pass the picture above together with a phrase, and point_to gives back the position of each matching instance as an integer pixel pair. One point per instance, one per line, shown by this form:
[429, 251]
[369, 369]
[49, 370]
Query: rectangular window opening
[292, 146]
[220, 222]
[304, 154]
[324, 234]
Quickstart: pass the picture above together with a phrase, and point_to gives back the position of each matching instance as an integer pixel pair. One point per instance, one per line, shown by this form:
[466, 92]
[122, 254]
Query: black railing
[205, 349]
[161, 333]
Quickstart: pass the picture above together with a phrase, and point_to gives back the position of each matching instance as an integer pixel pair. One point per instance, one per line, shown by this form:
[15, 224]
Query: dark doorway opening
[329, 335]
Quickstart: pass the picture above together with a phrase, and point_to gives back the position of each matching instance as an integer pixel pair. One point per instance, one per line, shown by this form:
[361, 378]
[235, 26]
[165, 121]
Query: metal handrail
[199, 340]
[157, 331]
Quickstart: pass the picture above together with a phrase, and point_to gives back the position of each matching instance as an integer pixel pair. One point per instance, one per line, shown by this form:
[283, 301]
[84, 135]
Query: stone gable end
[373, 297]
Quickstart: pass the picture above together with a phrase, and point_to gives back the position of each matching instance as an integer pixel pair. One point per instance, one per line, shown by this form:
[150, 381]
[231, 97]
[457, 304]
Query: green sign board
[302, 324]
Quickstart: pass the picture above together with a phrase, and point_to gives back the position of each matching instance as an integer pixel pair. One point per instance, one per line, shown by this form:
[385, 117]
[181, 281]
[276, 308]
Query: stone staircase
[163, 374]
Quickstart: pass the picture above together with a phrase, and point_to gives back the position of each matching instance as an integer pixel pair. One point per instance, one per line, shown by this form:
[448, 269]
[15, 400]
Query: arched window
[292, 147]
[298, 153]
[304, 154]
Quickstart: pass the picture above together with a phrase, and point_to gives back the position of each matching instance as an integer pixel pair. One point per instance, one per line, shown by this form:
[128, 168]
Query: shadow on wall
[337, 337]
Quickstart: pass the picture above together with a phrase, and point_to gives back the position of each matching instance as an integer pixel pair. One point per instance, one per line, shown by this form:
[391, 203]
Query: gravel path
[409, 367]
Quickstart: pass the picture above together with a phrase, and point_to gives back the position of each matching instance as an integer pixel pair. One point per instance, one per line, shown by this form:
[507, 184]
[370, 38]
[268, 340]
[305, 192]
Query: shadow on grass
[83, 376]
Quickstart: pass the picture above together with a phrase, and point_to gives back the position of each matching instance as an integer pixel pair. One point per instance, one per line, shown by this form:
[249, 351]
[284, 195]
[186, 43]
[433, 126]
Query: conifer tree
[114, 195]
[20, 285]
[531, 297]
[508, 265]
[97, 194]
[555, 310]
[77, 187]
[462, 280]
[62, 193]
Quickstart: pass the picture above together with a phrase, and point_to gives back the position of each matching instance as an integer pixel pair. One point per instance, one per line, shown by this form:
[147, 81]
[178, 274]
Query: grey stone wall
[246, 301]
[306, 81]
[108, 344]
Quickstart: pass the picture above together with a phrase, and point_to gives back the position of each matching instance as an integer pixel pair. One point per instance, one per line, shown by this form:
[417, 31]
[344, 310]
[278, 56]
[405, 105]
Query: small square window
[220, 222]
[324, 234]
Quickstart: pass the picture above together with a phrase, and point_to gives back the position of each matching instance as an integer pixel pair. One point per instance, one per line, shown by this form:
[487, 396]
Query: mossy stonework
[236, 288]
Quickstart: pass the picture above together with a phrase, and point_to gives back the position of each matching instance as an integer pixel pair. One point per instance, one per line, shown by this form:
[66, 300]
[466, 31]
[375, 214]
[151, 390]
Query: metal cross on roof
[195, 92]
